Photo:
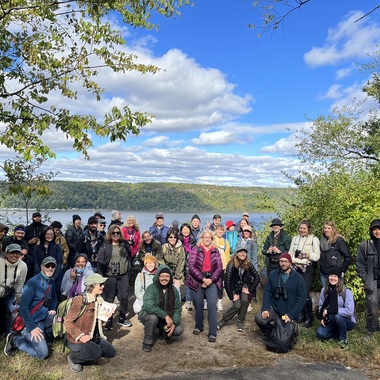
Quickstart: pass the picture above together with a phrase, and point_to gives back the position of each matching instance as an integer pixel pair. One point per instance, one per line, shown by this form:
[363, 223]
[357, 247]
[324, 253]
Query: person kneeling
[336, 309]
[161, 307]
[85, 337]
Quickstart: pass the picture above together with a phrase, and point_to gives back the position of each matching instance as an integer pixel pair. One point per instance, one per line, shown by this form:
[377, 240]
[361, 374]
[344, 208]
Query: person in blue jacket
[38, 291]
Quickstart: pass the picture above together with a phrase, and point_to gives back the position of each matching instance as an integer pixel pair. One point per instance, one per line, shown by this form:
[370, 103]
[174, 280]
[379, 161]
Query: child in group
[224, 248]
[231, 236]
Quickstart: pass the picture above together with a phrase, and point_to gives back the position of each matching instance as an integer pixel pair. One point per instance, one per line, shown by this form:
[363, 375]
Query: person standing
[276, 243]
[37, 309]
[116, 217]
[284, 295]
[159, 231]
[114, 262]
[131, 234]
[161, 308]
[3, 232]
[34, 230]
[205, 277]
[61, 240]
[368, 269]
[231, 236]
[85, 337]
[72, 235]
[305, 253]
[195, 227]
[334, 252]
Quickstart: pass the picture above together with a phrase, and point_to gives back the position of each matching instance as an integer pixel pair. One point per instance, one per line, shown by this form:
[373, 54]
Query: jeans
[210, 293]
[85, 352]
[151, 321]
[336, 327]
[372, 302]
[238, 307]
[36, 349]
[121, 283]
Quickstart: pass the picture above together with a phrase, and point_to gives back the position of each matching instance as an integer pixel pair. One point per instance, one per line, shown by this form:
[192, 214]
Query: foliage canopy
[54, 49]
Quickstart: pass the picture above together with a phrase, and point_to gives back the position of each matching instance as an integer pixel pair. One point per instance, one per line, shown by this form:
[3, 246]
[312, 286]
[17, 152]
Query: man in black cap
[37, 308]
[33, 231]
[368, 268]
[159, 231]
[277, 242]
[90, 241]
[72, 235]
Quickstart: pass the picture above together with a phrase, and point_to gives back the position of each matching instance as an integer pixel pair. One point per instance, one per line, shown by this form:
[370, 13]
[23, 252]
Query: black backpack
[283, 336]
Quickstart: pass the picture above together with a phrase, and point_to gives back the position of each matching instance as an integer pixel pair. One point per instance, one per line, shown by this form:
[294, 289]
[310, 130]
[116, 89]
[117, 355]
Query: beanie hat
[286, 256]
[80, 255]
[166, 270]
[20, 227]
[195, 216]
[337, 271]
[375, 223]
[76, 217]
[150, 258]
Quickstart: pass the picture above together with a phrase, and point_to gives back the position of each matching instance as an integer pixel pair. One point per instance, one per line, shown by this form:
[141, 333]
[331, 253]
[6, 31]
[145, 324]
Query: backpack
[283, 336]
[58, 327]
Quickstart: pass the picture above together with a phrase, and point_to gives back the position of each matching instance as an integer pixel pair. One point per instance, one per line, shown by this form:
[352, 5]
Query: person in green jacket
[161, 308]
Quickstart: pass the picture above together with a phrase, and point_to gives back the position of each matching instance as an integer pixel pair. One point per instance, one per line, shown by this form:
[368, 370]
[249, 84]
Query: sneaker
[249, 307]
[188, 306]
[147, 347]
[212, 338]
[9, 348]
[124, 322]
[240, 326]
[197, 331]
[74, 367]
[220, 325]
[204, 304]
[220, 306]
[109, 325]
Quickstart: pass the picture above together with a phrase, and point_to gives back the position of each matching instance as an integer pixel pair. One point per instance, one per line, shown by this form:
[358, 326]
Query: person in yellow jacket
[224, 248]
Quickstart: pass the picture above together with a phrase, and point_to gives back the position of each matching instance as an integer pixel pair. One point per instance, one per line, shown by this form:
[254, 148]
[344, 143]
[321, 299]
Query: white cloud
[285, 146]
[344, 72]
[347, 40]
[214, 138]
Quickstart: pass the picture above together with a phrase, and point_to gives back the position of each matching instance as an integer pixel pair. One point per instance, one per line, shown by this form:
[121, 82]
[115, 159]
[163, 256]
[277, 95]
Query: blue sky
[226, 103]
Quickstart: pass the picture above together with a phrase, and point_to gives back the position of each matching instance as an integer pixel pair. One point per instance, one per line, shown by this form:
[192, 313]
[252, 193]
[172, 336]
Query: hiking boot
[109, 324]
[212, 338]
[240, 326]
[147, 347]
[197, 331]
[74, 367]
[220, 325]
[9, 348]
[204, 304]
[124, 322]
[189, 307]
[219, 304]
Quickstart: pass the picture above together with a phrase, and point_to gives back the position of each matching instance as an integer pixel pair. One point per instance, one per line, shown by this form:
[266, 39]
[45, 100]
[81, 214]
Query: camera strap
[6, 275]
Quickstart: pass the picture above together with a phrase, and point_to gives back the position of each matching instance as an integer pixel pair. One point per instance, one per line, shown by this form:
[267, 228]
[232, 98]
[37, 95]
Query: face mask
[79, 271]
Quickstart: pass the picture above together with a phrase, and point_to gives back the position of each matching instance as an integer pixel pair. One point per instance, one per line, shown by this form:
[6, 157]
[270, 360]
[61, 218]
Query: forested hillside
[155, 196]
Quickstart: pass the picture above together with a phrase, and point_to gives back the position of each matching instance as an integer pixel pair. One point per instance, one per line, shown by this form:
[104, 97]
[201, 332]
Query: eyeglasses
[102, 224]
[115, 233]
[50, 266]
[172, 237]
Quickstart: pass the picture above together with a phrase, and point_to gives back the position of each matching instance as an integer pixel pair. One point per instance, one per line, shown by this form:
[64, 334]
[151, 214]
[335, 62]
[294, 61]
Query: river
[144, 218]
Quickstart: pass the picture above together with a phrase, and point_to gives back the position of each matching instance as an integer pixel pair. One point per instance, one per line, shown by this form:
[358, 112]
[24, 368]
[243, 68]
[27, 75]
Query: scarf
[325, 245]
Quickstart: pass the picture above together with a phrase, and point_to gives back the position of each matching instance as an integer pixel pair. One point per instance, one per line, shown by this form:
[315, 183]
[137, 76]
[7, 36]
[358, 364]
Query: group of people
[40, 267]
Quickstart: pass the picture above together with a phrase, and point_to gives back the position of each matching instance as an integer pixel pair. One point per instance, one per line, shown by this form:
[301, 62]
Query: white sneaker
[249, 307]
[204, 304]
[220, 306]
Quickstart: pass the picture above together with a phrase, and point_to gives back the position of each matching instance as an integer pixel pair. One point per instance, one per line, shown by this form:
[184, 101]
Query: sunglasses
[172, 237]
[115, 233]
[50, 266]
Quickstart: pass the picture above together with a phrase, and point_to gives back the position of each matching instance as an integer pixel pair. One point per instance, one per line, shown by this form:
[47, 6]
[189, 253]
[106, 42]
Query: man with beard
[161, 308]
[33, 231]
[90, 241]
[368, 269]
[284, 294]
[37, 308]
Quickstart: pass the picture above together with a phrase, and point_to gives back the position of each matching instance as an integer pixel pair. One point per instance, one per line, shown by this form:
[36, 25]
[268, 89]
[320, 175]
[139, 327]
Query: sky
[226, 103]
